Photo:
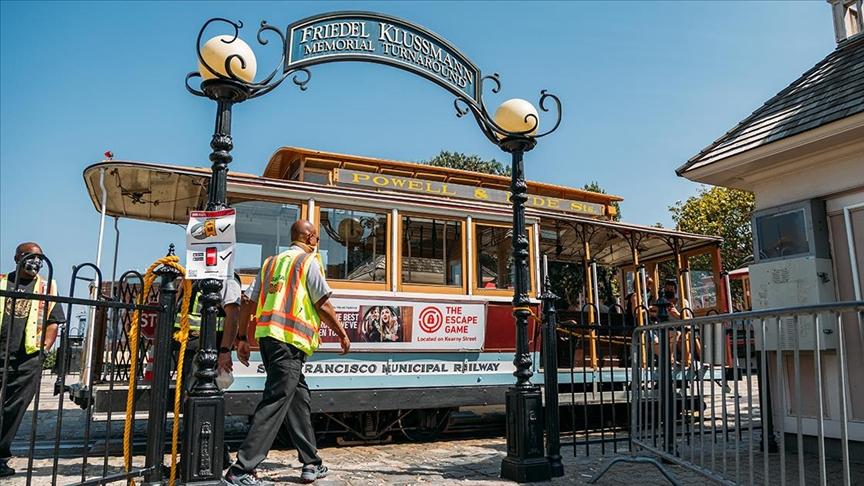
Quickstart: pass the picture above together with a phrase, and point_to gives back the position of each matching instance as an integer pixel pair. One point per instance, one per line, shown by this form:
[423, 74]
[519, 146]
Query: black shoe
[311, 472]
[240, 478]
[5, 470]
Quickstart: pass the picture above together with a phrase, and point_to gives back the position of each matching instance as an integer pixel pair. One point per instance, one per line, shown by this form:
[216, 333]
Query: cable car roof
[166, 193]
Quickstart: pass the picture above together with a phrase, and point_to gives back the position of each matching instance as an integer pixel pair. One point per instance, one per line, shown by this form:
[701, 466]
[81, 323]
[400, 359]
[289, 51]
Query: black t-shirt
[22, 311]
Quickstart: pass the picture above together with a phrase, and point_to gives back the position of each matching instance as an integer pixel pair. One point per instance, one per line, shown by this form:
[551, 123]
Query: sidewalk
[468, 462]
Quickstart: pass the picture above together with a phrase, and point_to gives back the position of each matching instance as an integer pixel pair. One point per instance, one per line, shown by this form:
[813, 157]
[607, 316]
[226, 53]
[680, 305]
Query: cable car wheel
[422, 425]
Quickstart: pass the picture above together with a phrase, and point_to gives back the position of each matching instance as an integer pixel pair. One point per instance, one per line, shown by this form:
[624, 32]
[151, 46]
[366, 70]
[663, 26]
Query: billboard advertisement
[374, 324]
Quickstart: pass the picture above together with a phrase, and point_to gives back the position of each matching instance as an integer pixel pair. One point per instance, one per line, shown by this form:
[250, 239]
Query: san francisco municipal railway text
[399, 368]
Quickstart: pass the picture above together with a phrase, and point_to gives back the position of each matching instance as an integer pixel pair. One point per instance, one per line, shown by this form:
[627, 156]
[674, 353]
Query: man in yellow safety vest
[291, 297]
[21, 341]
[226, 320]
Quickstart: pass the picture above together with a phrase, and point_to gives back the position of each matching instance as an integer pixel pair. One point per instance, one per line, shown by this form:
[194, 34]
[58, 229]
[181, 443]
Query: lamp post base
[203, 434]
[525, 461]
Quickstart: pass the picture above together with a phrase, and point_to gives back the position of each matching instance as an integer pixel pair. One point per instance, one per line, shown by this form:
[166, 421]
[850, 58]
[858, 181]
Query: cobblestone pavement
[464, 462]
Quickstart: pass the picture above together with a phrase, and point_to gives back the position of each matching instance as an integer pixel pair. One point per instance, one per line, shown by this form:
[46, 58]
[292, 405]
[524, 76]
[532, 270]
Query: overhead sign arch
[382, 39]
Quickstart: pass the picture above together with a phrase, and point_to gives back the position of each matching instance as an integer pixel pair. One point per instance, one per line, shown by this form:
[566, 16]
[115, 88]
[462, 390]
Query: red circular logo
[431, 319]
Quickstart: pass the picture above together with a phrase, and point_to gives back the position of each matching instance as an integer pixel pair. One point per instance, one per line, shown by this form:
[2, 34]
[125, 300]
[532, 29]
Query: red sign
[147, 322]
[431, 319]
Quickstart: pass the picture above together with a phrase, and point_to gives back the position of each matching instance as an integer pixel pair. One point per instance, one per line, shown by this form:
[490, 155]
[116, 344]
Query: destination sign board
[371, 37]
[460, 191]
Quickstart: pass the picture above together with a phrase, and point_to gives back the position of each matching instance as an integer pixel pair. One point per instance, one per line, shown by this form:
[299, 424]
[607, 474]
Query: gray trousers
[22, 379]
[286, 396]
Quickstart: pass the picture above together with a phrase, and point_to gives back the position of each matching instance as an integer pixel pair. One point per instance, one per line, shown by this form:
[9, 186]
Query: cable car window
[494, 257]
[263, 230]
[354, 244]
[703, 288]
[431, 251]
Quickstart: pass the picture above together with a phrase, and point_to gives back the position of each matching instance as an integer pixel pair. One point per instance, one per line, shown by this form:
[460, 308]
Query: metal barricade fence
[60, 422]
[783, 406]
[594, 370]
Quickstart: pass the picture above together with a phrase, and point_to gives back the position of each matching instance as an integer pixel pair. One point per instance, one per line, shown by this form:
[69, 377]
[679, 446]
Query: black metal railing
[61, 429]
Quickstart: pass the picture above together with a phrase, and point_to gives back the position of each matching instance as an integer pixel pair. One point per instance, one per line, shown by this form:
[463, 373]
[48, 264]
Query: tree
[458, 160]
[595, 187]
[723, 212]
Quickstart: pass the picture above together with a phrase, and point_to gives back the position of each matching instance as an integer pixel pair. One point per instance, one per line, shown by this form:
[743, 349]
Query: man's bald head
[25, 248]
[303, 231]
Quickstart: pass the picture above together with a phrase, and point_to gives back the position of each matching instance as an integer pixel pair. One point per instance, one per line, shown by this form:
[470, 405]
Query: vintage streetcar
[419, 260]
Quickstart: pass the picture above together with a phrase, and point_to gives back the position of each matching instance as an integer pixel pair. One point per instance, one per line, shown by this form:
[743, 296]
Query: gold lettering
[429, 188]
[481, 194]
[415, 185]
[380, 181]
[444, 191]
[398, 182]
[538, 201]
[552, 203]
[360, 177]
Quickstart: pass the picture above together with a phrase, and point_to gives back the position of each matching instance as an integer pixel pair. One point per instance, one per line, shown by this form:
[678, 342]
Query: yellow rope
[149, 277]
[524, 308]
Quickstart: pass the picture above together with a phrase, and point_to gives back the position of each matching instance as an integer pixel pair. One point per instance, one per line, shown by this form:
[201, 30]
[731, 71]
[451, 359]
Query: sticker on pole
[210, 240]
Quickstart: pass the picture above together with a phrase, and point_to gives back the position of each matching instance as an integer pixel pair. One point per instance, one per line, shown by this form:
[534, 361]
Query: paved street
[456, 461]
[472, 461]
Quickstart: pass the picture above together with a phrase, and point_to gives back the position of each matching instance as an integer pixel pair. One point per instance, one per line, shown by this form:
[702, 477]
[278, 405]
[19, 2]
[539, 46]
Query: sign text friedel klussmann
[376, 38]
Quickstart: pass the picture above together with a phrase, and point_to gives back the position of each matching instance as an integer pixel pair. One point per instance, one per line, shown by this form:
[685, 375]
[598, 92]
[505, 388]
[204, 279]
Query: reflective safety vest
[195, 314]
[285, 308]
[32, 329]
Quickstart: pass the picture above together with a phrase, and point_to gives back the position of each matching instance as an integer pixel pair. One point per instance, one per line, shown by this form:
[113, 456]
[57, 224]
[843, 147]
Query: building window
[354, 244]
[782, 235]
[431, 251]
[494, 257]
[263, 230]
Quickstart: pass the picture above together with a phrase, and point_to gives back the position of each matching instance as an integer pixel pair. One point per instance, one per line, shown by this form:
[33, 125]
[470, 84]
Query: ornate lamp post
[227, 67]
[514, 129]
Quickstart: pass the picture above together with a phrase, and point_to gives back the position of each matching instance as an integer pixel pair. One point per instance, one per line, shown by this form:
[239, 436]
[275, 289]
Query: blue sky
[644, 86]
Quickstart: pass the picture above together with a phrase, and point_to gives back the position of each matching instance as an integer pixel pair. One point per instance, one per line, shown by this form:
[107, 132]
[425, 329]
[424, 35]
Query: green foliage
[723, 212]
[473, 163]
[50, 360]
[595, 187]
[566, 281]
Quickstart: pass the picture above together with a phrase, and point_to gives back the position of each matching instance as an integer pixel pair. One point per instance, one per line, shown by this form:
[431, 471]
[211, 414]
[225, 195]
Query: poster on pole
[210, 240]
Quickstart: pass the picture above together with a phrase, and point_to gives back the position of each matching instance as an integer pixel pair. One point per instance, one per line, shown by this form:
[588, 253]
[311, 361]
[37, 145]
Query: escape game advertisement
[391, 325]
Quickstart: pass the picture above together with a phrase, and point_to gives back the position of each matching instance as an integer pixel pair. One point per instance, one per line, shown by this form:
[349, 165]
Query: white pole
[87, 361]
[102, 220]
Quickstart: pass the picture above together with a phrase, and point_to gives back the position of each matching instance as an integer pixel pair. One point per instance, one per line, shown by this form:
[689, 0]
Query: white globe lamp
[517, 115]
[216, 50]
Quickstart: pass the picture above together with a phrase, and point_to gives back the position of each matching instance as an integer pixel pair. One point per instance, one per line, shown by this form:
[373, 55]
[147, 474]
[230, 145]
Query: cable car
[419, 260]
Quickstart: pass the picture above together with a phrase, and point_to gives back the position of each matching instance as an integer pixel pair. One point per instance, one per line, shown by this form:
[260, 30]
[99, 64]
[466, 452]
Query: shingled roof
[832, 90]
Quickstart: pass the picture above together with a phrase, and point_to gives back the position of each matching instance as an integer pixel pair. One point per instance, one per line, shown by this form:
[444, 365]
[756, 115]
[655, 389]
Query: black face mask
[669, 294]
[32, 265]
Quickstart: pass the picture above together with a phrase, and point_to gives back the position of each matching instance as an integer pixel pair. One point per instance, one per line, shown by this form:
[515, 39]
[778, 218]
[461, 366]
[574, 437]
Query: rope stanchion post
[161, 371]
[550, 375]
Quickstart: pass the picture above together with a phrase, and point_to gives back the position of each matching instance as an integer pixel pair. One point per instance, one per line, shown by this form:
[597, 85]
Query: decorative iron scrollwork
[492, 130]
[301, 76]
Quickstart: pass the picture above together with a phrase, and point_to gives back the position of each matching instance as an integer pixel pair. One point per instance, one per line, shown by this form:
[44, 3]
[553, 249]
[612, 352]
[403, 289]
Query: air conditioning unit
[793, 282]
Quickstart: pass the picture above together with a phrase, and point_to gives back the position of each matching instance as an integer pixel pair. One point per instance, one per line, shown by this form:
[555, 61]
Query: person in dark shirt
[21, 345]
